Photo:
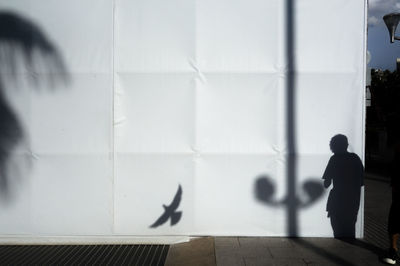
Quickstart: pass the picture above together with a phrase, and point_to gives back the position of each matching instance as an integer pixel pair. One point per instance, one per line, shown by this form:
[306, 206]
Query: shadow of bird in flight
[170, 211]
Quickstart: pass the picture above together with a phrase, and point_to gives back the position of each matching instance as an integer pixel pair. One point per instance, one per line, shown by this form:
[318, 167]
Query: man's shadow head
[339, 144]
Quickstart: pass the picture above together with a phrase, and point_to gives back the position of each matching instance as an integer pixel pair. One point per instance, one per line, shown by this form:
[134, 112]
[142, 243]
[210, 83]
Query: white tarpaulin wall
[180, 92]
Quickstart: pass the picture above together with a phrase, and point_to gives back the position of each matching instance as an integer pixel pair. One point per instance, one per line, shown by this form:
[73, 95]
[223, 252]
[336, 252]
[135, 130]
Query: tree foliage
[385, 96]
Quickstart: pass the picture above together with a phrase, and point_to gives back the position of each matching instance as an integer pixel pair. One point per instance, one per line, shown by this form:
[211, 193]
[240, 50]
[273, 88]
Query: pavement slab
[199, 251]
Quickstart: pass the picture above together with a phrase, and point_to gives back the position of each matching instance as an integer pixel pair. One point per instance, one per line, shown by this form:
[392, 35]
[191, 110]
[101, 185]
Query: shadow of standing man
[345, 171]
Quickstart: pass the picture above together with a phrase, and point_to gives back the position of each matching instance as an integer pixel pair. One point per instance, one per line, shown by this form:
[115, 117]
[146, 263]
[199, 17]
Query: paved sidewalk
[199, 251]
[291, 251]
[247, 251]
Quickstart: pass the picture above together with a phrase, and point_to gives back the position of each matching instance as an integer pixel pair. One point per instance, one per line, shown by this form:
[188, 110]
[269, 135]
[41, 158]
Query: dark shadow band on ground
[323, 252]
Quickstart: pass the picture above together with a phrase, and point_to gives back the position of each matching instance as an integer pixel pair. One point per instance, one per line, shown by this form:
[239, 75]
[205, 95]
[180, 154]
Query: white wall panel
[339, 104]
[71, 195]
[239, 113]
[156, 113]
[239, 36]
[328, 40]
[74, 119]
[154, 36]
[163, 94]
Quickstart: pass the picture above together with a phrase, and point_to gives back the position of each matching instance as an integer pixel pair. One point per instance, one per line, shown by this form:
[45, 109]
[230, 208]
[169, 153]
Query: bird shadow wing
[175, 218]
[161, 220]
[177, 199]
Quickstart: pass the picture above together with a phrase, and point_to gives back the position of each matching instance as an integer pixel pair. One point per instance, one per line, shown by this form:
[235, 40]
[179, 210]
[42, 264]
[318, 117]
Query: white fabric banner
[184, 104]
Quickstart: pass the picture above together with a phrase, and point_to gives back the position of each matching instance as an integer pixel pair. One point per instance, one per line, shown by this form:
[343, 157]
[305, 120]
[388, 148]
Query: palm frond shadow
[25, 53]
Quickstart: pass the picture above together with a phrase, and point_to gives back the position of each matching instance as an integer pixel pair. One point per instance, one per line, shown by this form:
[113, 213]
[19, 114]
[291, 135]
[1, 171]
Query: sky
[383, 53]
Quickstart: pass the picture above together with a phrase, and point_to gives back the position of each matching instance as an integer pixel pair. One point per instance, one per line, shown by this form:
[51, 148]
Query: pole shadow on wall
[291, 168]
[264, 188]
[342, 219]
[23, 46]
[345, 172]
